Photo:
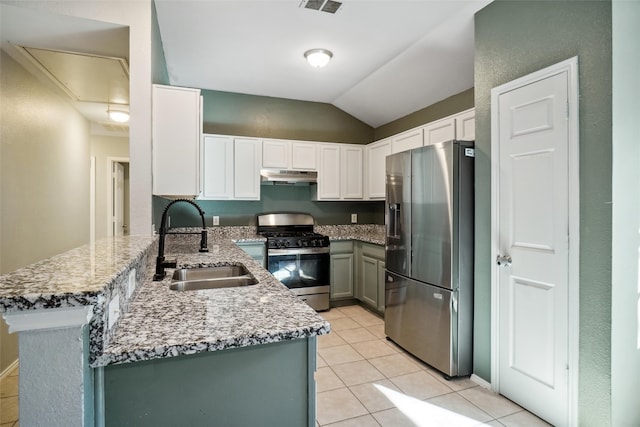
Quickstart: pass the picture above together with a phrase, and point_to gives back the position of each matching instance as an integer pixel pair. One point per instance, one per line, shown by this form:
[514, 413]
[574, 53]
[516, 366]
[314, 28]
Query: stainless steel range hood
[277, 176]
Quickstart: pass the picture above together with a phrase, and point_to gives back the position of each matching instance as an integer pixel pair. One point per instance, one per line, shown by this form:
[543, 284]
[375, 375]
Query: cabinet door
[329, 172]
[275, 154]
[369, 268]
[304, 155]
[341, 275]
[176, 133]
[217, 180]
[247, 163]
[381, 284]
[440, 131]
[351, 171]
[466, 126]
[407, 140]
[376, 165]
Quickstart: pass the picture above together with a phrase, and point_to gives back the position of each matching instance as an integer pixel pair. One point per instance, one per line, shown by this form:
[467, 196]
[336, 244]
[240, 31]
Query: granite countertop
[157, 322]
[163, 323]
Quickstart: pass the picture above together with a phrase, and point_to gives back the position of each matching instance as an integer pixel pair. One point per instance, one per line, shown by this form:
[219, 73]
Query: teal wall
[513, 39]
[272, 198]
[260, 116]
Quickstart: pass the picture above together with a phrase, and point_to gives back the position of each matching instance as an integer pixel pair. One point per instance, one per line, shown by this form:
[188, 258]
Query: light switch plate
[216, 220]
[114, 310]
[354, 218]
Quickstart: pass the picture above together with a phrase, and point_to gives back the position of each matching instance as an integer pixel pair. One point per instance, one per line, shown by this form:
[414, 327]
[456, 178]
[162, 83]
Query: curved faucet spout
[160, 261]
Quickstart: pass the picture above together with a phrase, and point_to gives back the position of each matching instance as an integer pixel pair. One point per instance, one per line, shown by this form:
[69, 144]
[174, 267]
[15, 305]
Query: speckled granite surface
[370, 233]
[157, 322]
[163, 323]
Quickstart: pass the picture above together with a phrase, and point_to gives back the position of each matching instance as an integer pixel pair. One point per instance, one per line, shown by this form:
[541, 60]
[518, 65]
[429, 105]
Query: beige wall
[44, 186]
[102, 148]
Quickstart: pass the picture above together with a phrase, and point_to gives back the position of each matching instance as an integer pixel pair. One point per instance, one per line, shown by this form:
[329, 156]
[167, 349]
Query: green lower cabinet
[341, 269]
[262, 385]
[371, 275]
[369, 268]
[381, 285]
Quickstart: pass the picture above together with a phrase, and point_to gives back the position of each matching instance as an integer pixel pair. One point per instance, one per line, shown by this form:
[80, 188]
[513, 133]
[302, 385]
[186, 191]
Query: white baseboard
[481, 382]
[10, 368]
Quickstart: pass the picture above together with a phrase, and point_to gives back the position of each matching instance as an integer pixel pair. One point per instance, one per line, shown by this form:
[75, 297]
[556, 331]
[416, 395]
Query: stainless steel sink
[199, 278]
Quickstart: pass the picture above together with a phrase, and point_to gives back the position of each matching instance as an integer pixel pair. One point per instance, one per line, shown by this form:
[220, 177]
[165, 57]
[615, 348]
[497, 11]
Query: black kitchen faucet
[161, 263]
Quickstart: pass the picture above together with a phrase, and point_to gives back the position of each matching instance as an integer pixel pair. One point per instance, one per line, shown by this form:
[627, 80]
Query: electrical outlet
[354, 218]
[132, 282]
[216, 220]
[114, 310]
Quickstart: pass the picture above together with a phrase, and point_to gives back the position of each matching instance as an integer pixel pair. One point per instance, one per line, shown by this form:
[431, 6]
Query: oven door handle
[297, 251]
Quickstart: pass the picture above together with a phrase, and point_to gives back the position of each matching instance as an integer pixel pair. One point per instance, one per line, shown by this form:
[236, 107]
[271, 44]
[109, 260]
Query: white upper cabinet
[376, 155]
[352, 169]
[231, 168]
[176, 136]
[276, 153]
[466, 125]
[407, 140]
[217, 160]
[289, 155]
[329, 172]
[247, 165]
[304, 155]
[440, 131]
[340, 172]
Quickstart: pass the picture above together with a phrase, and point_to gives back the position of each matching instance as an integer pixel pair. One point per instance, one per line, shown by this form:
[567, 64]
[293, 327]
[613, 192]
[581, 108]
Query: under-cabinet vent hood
[277, 176]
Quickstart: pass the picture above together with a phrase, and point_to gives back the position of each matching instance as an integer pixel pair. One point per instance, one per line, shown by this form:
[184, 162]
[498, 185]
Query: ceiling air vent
[328, 6]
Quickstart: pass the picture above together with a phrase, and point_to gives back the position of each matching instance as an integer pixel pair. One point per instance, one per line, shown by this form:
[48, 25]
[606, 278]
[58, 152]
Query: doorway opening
[118, 211]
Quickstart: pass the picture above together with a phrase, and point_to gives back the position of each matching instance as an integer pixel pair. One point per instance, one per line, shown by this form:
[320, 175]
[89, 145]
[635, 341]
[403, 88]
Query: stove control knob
[305, 243]
[299, 243]
[314, 242]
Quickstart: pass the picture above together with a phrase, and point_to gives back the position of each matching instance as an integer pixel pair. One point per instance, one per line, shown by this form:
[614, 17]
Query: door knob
[503, 260]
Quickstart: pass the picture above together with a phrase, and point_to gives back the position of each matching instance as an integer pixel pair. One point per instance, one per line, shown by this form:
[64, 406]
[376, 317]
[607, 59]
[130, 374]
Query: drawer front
[374, 251]
[345, 246]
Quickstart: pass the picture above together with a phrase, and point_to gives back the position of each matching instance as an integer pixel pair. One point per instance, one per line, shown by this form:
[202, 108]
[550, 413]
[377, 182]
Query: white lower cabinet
[341, 261]
[231, 168]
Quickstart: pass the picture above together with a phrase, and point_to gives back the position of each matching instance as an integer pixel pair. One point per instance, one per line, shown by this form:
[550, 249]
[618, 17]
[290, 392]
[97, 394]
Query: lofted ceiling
[86, 61]
[390, 57]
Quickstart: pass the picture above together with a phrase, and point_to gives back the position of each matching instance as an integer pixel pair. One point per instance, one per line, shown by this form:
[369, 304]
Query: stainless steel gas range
[298, 257]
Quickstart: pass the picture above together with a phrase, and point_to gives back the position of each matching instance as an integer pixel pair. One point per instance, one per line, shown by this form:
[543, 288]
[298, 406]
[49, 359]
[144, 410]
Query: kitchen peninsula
[101, 342]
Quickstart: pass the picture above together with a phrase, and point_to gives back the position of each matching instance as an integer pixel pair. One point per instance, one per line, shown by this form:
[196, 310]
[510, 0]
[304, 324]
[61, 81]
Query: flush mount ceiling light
[318, 57]
[118, 113]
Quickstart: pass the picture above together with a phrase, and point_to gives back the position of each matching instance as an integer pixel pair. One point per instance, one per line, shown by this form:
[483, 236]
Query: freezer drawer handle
[503, 260]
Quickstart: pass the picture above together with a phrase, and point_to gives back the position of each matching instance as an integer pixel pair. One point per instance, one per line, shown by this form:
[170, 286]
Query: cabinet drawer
[374, 251]
[345, 246]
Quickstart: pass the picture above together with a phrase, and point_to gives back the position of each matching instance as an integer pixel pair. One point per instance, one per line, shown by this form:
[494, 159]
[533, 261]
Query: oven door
[300, 268]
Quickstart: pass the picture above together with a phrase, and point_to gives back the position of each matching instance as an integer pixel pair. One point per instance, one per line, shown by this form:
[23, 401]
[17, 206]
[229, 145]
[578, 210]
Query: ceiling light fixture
[118, 113]
[318, 57]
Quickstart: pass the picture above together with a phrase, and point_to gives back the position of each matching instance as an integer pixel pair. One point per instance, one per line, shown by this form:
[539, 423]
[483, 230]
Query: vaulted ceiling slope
[390, 57]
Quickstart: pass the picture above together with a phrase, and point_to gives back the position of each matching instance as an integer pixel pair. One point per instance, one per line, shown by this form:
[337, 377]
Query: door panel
[533, 230]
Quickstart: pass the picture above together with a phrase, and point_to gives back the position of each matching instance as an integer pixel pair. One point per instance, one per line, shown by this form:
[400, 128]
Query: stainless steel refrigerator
[429, 254]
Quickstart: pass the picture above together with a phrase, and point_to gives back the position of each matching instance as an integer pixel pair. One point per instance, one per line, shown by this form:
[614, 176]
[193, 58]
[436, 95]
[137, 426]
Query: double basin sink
[200, 278]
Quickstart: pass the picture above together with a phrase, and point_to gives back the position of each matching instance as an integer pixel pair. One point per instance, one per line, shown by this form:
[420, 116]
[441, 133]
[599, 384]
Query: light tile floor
[364, 380]
[9, 400]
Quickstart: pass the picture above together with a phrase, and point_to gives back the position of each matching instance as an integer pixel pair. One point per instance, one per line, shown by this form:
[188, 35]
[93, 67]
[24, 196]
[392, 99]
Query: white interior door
[532, 245]
[118, 199]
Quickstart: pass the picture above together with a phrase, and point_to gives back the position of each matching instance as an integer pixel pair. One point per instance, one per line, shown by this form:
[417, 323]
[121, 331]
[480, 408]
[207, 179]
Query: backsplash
[273, 199]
